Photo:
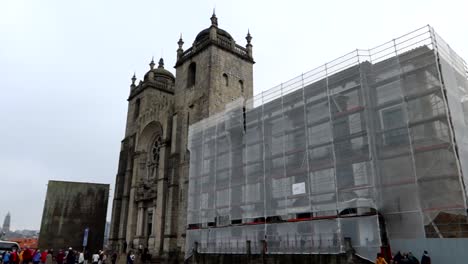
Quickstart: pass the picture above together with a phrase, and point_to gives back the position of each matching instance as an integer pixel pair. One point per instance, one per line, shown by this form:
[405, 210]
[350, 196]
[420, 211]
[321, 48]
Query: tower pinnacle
[152, 63]
[132, 86]
[249, 45]
[180, 51]
[214, 19]
[161, 63]
[248, 37]
[133, 79]
[180, 42]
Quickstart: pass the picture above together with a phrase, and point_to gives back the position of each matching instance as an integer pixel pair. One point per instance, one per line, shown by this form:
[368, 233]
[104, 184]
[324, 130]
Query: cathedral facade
[150, 199]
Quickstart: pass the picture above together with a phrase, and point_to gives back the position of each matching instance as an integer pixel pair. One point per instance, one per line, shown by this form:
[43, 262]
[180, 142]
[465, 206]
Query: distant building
[6, 223]
[25, 242]
[70, 208]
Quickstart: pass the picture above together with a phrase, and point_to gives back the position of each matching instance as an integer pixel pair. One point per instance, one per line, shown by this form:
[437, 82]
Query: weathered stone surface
[156, 110]
[69, 208]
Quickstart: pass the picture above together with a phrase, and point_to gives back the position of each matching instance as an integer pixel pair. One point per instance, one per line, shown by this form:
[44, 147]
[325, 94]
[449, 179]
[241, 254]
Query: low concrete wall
[275, 259]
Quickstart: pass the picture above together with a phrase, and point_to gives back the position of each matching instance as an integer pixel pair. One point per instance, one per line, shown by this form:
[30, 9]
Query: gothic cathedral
[150, 199]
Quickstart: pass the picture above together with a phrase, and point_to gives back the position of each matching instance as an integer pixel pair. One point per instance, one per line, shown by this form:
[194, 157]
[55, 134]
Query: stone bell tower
[213, 72]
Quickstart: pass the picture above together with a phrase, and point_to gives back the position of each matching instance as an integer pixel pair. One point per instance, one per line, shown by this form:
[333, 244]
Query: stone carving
[145, 190]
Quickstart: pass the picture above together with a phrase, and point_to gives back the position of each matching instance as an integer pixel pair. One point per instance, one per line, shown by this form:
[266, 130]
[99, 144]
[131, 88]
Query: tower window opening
[192, 72]
[241, 86]
[226, 79]
[137, 108]
[149, 223]
[244, 119]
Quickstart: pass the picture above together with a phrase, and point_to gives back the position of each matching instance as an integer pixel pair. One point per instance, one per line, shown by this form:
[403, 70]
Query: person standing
[87, 256]
[14, 258]
[36, 257]
[397, 258]
[95, 258]
[6, 257]
[44, 256]
[103, 257]
[412, 259]
[130, 257]
[114, 257]
[20, 256]
[425, 259]
[27, 255]
[81, 258]
[70, 256]
[60, 257]
[380, 259]
[49, 257]
[100, 257]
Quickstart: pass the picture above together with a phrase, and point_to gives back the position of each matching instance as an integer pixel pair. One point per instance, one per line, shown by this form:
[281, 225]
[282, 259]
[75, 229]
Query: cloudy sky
[65, 69]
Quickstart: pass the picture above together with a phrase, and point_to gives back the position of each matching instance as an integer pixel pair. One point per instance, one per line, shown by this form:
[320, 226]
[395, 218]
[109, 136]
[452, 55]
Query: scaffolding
[370, 146]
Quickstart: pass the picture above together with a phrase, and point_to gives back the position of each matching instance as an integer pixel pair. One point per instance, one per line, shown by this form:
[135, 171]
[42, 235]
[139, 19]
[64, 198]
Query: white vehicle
[7, 246]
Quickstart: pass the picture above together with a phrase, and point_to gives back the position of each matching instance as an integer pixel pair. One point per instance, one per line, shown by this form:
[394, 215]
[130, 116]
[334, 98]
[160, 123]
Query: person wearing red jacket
[14, 258]
[27, 256]
[44, 256]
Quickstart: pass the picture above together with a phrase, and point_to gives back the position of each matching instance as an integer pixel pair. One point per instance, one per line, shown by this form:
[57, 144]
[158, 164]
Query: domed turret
[159, 74]
[213, 32]
[214, 35]
[158, 78]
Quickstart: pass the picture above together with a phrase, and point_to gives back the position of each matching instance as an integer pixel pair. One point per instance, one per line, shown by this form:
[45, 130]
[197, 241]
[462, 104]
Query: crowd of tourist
[404, 258]
[70, 256]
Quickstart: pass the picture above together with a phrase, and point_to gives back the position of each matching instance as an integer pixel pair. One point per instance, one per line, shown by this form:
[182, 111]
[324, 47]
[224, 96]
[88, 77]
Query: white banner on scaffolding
[298, 188]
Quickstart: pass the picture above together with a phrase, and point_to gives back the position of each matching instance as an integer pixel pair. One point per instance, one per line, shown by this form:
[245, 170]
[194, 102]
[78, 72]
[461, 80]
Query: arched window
[154, 156]
[156, 150]
[192, 74]
[226, 79]
[241, 86]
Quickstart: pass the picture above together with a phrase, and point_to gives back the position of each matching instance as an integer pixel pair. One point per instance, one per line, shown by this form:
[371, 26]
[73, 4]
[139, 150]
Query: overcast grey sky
[65, 69]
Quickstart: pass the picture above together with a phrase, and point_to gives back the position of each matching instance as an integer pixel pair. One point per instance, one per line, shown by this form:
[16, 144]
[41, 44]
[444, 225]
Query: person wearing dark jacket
[71, 256]
[425, 258]
[412, 259]
[130, 257]
[397, 258]
[60, 257]
[114, 257]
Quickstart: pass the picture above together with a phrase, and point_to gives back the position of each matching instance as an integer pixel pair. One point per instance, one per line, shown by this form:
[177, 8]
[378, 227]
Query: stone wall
[69, 208]
[209, 95]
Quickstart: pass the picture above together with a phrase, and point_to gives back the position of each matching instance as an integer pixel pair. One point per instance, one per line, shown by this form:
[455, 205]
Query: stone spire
[161, 63]
[214, 19]
[152, 63]
[249, 45]
[214, 27]
[132, 86]
[248, 37]
[6, 223]
[180, 50]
